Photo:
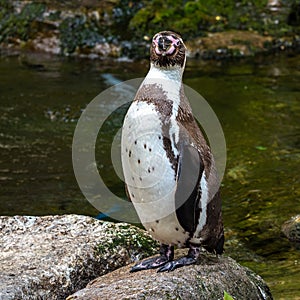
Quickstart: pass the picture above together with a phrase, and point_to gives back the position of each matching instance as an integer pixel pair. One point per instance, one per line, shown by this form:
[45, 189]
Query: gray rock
[209, 279]
[53, 256]
[291, 229]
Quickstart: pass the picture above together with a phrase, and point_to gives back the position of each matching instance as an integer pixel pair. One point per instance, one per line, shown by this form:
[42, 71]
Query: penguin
[169, 170]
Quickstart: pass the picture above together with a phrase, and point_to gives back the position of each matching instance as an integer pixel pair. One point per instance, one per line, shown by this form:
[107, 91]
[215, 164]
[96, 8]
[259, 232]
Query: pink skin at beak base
[170, 50]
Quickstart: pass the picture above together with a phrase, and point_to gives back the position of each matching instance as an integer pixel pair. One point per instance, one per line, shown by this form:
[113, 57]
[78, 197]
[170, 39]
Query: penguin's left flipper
[188, 192]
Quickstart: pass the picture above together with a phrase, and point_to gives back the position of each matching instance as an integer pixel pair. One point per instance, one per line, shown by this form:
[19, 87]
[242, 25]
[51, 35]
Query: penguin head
[167, 50]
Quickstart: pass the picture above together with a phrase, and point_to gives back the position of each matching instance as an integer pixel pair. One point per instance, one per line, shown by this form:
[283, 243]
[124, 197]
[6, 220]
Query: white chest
[148, 172]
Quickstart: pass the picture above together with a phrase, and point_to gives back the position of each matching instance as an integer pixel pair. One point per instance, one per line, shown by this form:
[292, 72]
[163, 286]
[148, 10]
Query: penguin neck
[169, 79]
[162, 73]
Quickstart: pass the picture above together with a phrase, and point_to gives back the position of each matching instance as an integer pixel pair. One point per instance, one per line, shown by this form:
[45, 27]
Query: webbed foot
[166, 255]
[190, 259]
[174, 264]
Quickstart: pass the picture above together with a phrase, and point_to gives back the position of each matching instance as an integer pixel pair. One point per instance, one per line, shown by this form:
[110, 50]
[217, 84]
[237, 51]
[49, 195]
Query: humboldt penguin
[168, 167]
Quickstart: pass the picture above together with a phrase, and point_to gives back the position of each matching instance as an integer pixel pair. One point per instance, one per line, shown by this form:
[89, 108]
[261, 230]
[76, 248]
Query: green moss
[131, 20]
[130, 237]
[14, 25]
[79, 31]
[193, 18]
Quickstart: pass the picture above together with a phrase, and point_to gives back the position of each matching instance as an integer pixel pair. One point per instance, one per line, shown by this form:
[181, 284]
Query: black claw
[175, 264]
[151, 263]
[165, 262]
[166, 255]
[166, 268]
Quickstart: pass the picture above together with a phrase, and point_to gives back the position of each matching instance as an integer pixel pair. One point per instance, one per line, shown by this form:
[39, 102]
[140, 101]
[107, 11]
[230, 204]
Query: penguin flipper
[188, 192]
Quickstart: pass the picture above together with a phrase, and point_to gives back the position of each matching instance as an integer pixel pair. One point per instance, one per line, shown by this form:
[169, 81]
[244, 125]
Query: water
[257, 103]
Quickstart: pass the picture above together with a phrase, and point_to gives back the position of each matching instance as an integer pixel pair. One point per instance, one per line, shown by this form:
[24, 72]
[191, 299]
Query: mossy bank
[116, 29]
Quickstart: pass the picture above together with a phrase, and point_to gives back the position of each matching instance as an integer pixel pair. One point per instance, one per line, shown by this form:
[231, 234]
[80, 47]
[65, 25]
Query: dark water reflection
[257, 102]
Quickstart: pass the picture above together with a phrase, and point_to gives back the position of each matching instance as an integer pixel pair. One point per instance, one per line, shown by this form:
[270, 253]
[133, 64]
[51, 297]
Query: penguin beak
[165, 45]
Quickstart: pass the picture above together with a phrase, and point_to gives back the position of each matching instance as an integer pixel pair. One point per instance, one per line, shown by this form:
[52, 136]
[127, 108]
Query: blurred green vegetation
[86, 23]
[192, 18]
[19, 25]
[195, 18]
[79, 31]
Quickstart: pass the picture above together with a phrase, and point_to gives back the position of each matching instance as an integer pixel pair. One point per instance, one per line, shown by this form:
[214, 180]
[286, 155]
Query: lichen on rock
[52, 256]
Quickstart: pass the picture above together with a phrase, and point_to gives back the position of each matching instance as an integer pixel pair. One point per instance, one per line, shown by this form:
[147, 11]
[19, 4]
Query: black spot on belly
[132, 195]
[157, 221]
[150, 149]
[141, 179]
[135, 142]
[176, 229]
[129, 154]
[139, 161]
[149, 170]
[145, 146]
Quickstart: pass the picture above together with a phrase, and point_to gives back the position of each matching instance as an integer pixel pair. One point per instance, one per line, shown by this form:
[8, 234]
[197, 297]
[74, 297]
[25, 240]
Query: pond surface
[257, 103]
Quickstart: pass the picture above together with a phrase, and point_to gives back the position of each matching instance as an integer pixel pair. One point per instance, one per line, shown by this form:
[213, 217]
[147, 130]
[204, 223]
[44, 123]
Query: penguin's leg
[166, 255]
[190, 259]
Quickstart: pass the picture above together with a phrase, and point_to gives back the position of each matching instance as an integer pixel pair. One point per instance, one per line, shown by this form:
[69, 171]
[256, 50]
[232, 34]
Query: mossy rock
[291, 229]
[210, 278]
